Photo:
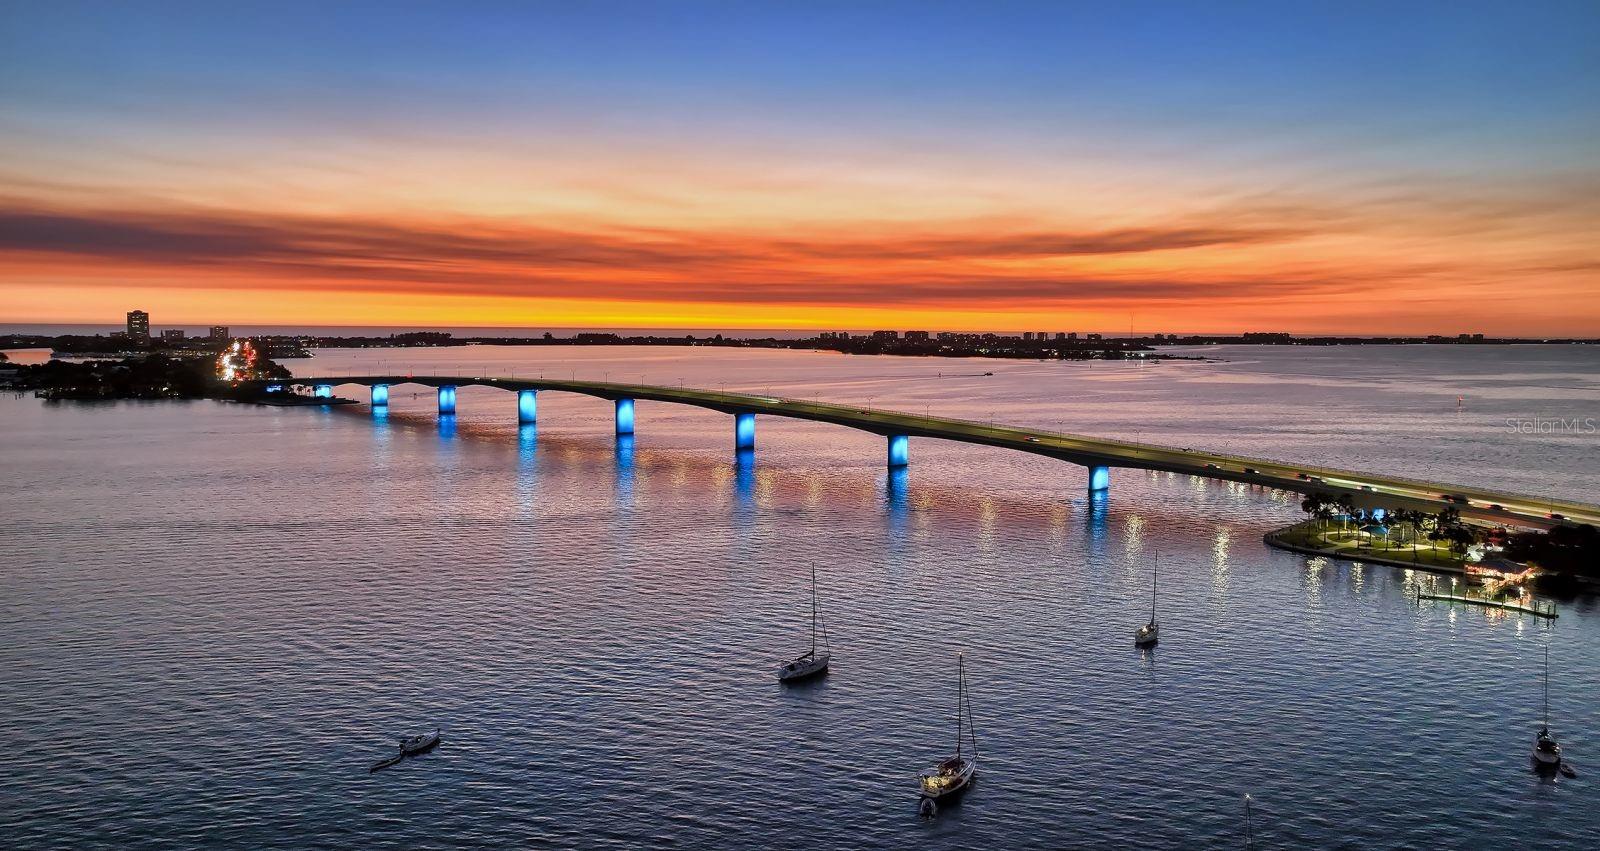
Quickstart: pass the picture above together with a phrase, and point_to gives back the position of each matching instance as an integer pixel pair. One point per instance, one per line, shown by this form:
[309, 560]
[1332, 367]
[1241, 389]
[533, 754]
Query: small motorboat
[953, 775]
[385, 763]
[813, 661]
[420, 743]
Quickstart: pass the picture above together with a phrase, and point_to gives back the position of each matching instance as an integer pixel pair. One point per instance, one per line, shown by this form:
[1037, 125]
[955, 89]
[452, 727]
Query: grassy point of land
[1331, 541]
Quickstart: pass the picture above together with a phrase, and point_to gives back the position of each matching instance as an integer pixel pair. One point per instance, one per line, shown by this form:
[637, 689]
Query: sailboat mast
[961, 690]
[813, 610]
[1153, 571]
[1547, 686]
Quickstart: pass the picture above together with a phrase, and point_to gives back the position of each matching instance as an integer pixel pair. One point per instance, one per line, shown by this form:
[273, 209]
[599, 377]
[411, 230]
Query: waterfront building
[219, 333]
[138, 325]
[173, 335]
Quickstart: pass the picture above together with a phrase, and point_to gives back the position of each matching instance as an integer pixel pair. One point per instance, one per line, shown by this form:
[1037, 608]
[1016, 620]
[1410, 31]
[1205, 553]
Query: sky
[1396, 167]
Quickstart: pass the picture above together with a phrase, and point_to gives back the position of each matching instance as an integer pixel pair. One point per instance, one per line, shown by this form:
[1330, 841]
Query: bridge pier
[323, 391]
[624, 417]
[380, 395]
[447, 399]
[898, 447]
[744, 432]
[527, 406]
[1099, 479]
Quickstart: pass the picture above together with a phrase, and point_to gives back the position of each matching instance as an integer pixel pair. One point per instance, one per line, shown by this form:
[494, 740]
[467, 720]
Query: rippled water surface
[214, 617]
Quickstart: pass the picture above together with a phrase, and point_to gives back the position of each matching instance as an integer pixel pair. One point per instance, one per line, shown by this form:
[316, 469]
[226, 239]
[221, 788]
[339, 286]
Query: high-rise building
[917, 336]
[138, 325]
[885, 335]
[219, 333]
[173, 334]
[1027, 336]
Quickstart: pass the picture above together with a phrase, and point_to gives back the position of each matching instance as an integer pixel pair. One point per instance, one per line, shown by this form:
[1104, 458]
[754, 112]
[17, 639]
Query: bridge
[1096, 455]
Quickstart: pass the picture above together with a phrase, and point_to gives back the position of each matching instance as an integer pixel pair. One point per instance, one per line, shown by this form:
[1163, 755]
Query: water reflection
[447, 426]
[1219, 561]
[625, 470]
[527, 463]
[381, 429]
[1097, 529]
[896, 484]
[744, 483]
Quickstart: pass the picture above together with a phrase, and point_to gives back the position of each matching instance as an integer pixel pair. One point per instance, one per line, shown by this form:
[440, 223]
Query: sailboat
[1546, 750]
[811, 662]
[1150, 633]
[953, 775]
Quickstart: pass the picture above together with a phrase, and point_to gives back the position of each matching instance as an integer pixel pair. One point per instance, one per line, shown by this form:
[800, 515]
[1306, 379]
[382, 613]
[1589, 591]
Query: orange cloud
[1300, 267]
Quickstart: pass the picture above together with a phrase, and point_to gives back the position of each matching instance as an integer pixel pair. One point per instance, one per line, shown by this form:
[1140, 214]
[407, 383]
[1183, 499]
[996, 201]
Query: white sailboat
[1150, 633]
[812, 662]
[1546, 750]
[952, 776]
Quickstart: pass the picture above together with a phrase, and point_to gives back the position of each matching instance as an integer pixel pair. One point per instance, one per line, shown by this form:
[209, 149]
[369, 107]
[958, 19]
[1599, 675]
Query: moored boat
[385, 763]
[1546, 750]
[952, 776]
[1150, 633]
[812, 662]
[420, 743]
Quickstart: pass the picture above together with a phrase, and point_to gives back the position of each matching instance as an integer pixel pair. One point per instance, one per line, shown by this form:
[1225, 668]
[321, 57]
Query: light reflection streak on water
[1219, 560]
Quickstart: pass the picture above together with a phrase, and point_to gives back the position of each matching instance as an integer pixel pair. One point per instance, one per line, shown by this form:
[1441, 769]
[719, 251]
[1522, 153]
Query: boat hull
[804, 669]
[953, 786]
[420, 744]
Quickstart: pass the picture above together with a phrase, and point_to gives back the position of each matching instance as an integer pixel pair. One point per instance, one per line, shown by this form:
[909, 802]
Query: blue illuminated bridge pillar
[527, 406]
[380, 395]
[898, 447]
[624, 416]
[744, 431]
[1099, 479]
[447, 399]
[323, 391]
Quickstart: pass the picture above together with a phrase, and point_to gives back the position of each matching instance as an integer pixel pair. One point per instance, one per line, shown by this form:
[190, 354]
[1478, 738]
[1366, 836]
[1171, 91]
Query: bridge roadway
[1365, 490]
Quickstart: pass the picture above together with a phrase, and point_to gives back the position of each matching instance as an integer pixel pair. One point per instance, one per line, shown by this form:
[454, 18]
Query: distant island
[232, 372]
[1039, 345]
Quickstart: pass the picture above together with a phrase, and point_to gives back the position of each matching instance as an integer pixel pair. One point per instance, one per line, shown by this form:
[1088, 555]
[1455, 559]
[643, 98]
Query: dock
[1532, 607]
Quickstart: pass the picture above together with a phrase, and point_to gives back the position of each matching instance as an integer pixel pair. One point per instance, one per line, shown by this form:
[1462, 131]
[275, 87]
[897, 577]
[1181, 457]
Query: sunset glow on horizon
[1372, 169]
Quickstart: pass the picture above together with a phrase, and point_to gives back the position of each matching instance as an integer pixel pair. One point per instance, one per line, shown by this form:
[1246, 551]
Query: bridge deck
[1365, 489]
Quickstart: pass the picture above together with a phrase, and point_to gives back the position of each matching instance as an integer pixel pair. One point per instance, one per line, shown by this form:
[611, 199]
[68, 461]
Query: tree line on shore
[149, 377]
[1567, 549]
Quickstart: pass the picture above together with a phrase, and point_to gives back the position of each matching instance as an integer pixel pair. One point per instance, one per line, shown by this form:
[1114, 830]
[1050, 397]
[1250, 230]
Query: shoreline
[1274, 539]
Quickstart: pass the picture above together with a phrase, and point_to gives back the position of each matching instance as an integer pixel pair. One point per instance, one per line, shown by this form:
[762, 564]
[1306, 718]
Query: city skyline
[1372, 170]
